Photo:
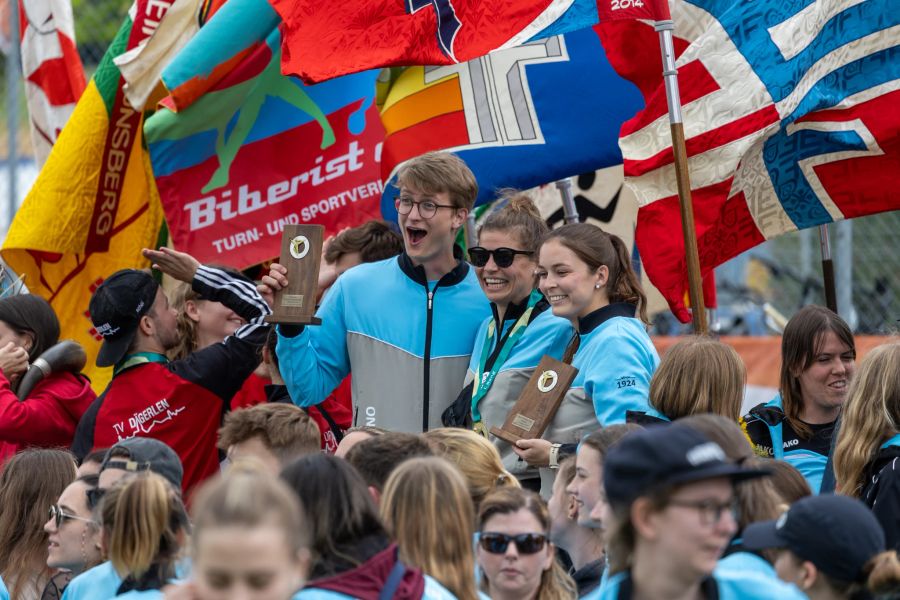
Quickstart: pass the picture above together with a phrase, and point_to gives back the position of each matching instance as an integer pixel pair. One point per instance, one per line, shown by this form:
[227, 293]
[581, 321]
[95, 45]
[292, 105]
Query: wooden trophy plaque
[301, 251]
[539, 401]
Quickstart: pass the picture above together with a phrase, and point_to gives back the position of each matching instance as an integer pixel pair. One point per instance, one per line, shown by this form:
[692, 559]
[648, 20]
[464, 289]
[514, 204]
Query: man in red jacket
[180, 402]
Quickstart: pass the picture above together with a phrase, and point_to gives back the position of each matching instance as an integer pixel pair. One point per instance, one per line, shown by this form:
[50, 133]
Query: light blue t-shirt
[4, 593]
[433, 591]
[99, 583]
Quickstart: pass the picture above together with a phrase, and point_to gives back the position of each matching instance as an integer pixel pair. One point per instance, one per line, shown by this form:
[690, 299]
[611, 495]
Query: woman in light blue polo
[587, 277]
[521, 330]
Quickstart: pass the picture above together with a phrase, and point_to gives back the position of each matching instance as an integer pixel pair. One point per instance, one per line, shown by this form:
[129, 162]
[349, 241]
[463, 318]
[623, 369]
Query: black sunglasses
[526, 543]
[503, 257]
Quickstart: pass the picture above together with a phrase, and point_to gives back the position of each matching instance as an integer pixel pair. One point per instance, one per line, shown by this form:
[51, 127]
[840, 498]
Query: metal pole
[827, 269]
[13, 77]
[570, 213]
[843, 250]
[673, 97]
[471, 236]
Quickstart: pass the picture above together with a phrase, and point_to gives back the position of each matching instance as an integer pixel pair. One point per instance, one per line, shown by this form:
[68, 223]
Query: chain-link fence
[754, 290]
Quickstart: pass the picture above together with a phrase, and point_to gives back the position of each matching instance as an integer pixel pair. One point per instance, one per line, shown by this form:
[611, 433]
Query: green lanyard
[139, 358]
[485, 380]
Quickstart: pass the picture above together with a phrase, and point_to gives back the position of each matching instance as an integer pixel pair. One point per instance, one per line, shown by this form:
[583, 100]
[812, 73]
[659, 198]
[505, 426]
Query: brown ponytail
[597, 248]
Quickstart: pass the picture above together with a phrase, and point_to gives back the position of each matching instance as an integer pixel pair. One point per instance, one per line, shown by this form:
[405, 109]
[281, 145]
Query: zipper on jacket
[427, 357]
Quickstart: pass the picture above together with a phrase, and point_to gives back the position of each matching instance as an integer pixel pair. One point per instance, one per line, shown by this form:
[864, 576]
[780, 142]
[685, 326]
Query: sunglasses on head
[503, 257]
[59, 516]
[526, 543]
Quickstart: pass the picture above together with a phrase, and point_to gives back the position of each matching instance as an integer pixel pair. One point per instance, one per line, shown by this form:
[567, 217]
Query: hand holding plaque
[301, 250]
[536, 407]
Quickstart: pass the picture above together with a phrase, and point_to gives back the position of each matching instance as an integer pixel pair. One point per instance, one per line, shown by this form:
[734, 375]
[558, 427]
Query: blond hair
[427, 510]
[699, 375]
[871, 416]
[144, 516]
[475, 457]
[438, 172]
[250, 499]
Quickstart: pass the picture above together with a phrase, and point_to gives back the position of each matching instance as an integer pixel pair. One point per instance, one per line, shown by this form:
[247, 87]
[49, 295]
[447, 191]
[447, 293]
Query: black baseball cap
[145, 454]
[662, 456]
[116, 309]
[838, 534]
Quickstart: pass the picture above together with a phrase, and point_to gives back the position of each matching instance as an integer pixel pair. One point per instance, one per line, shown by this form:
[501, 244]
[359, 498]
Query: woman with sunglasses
[74, 534]
[48, 415]
[30, 483]
[510, 343]
[586, 275]
[514, 551]
[673, 512]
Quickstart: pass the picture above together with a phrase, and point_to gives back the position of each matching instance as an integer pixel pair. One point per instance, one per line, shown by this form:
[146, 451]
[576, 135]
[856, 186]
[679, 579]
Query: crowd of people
[231, 458]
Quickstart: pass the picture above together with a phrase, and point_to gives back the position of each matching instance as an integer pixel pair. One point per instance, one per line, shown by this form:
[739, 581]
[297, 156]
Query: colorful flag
[327, 39]
[93, 206]
[54, 76]
[255, 150]
[519, 117]
[791, 121]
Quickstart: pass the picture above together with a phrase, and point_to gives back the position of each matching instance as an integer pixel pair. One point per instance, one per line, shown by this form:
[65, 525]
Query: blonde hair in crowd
[475, 457]
[144, 517]
[427, 510]
[699, 375]
[31, 482]
[555, 582]
[871, 416]
[438, 172]
[249, 498]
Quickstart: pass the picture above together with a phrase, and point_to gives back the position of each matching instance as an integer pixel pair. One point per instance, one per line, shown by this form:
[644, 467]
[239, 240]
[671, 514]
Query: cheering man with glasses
[405, 326]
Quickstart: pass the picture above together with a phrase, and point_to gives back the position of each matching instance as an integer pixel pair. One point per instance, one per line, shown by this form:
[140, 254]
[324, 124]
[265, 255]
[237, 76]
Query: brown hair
[870, 416]
[374, 241]
[789, 483]
[31, 482]
[802, 338]
[27, 313]
[427, 510]
[880, 578]
[520, 217]
[376, 457]
[597, 248]
[475, 457]
[555, 583]
[699, 375]
[250, 499]
[285, 429]
[757, 498]
[144, 516]
[566, 471]
[603, 439]
[437, 172]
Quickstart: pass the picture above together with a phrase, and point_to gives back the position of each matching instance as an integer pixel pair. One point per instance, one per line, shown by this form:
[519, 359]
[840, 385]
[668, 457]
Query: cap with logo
[116, 309]
[145, 454]
[838, 534]
[662, 456]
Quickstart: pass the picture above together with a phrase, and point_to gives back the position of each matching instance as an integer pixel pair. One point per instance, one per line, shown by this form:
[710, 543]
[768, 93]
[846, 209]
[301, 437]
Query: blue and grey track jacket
[407, 341]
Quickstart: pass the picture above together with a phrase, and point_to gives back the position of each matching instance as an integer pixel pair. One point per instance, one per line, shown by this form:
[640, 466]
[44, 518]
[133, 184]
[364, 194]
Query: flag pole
[570, 212]
[673, 97]
[827, 269]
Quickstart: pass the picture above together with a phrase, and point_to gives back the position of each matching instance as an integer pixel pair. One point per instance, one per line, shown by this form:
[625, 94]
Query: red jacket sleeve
[48, 416]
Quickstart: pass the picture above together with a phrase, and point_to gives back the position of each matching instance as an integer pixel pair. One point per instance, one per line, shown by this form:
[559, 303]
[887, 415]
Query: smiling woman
[509, 344]
[818, 357]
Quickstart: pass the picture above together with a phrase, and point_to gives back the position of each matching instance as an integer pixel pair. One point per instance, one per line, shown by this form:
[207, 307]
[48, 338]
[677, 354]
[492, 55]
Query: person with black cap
[179, 402]
[671, 494]
[831, 547]
[126, 459]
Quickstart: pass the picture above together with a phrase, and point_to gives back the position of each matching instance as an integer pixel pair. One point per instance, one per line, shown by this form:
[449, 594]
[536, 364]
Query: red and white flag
[54, 76]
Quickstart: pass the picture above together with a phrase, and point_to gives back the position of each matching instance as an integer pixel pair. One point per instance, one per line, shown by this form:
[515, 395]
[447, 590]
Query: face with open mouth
[430, 235]
[505, 285]
[568, 282]
[826, 381]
